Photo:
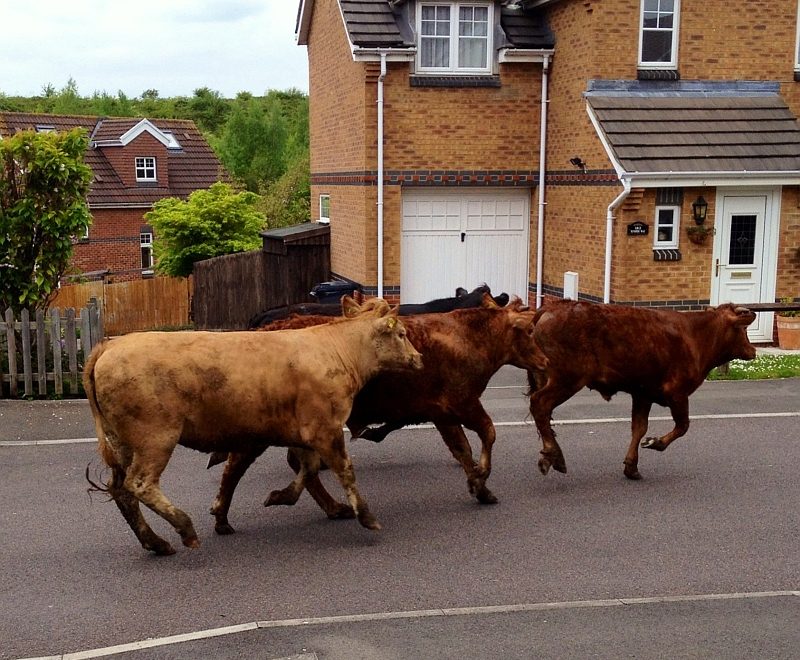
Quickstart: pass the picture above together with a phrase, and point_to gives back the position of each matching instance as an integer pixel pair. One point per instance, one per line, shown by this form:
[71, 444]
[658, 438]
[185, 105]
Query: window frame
[676, 19]
[453, 69]
[324, 218]
[146, 243]
[797, 42]
[145, 168]
[674, 243]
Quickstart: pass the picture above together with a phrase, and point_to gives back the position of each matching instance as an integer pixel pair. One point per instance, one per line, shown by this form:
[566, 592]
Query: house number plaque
[638, 228]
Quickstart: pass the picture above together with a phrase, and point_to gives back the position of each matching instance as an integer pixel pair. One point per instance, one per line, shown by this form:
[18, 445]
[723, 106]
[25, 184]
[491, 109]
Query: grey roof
[381, 24]
[693, 132]
[372, 24]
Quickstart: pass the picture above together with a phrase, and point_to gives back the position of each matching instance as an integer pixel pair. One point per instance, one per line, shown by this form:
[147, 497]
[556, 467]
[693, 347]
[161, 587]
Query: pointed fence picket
[40, 356]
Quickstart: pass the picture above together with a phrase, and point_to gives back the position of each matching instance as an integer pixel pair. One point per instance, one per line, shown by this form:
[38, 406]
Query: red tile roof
[192, 167]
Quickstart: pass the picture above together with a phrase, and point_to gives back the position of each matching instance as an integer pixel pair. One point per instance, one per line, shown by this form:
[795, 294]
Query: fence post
[56, 338]
[27, 367]
[71, 344]
[41, 353]
[12, 353]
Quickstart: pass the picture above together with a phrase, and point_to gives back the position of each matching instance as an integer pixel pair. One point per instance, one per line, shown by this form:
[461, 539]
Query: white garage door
[464, 238]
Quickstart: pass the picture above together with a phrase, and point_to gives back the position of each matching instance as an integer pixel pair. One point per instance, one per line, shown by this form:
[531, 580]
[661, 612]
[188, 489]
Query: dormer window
[658, 43]
[454, 37]
[145, 168]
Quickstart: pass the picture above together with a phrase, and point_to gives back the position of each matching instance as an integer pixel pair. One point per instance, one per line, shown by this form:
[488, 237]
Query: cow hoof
[653, 443]
[224, 529]
[341, 512]
[161, 548]
[368, 520]
[277, 497]
[192, 542]
[485, 496]
[544, 465]
[632, 473]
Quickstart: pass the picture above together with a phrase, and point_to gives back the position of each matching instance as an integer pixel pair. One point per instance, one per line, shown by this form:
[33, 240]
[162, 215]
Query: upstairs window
[454, 37]
[658, 39]
[145, 168]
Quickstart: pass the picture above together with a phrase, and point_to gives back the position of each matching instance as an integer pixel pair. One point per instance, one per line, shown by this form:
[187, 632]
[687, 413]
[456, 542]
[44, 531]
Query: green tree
[208, 224]
[208, 109]
[43, 188]
[253, 142]
[286, 201]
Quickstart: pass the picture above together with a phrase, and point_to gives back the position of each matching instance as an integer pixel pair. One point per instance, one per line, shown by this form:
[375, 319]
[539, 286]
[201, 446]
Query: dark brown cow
[233, 391]
[657, 356]
[461, 350]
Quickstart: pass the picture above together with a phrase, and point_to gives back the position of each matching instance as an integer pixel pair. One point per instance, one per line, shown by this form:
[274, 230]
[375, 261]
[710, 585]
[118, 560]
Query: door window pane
[742, 247]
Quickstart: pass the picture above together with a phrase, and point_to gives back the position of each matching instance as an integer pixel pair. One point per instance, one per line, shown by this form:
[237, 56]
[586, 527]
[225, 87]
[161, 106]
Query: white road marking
[527, 422]
[412, 614]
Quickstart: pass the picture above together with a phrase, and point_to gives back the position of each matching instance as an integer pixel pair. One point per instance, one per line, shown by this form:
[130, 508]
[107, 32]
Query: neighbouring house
[644, 152]
[135, 162]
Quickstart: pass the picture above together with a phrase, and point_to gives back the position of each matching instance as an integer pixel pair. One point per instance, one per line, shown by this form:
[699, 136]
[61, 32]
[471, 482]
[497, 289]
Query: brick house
[543, 144]
[135, 163]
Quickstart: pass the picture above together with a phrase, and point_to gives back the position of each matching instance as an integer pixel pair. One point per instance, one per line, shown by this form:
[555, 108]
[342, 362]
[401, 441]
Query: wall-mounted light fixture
[699, 210]
[577, 161]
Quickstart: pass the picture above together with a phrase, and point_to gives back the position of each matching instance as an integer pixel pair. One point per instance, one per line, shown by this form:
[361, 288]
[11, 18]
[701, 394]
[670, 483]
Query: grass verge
[764, 366]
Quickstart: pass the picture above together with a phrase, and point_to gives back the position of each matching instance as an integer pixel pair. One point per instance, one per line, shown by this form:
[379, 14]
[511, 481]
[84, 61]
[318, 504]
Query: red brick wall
[113, 245]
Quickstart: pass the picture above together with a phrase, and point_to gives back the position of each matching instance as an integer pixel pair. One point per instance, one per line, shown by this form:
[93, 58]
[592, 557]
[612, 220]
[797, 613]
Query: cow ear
[461, 292]
[744, 316]
[350, 307]
[488, 302]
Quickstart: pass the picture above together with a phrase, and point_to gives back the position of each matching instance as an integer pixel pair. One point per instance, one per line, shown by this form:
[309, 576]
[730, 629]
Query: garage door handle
[463, 236]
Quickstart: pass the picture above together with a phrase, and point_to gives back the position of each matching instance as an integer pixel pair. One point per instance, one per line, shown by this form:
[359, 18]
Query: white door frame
[761, 330]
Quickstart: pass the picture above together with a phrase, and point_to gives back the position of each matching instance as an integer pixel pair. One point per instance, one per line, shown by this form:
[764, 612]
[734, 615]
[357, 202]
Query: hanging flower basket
[698, 234]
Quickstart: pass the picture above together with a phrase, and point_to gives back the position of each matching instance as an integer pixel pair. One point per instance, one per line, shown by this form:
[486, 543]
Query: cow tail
[103, 446]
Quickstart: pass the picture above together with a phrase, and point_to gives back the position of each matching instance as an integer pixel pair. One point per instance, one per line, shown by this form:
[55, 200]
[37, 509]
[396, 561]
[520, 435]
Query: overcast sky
[173, 46]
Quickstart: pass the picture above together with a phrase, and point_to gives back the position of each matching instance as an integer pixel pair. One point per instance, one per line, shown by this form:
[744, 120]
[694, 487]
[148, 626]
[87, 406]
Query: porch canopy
[696, 133]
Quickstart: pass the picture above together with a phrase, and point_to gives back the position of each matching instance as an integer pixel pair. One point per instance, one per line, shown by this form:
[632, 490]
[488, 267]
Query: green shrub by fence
[42, 355]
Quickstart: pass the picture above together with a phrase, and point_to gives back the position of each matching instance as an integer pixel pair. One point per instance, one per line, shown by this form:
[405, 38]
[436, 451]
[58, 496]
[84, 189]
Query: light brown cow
[232, 391]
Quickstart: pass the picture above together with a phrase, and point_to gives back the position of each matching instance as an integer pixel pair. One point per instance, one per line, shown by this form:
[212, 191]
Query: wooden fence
[132, 306]
[39, 356]
[229, 290]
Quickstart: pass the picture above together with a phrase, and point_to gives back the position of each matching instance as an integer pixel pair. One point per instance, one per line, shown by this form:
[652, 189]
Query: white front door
[745, 249]
[464, 238]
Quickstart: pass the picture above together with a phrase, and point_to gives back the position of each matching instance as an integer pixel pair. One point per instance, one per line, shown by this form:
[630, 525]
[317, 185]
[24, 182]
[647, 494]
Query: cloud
[174, 46]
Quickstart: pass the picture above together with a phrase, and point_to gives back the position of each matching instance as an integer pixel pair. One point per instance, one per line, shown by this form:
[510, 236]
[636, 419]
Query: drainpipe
[542, 152]
[380, 174]
[626, 190]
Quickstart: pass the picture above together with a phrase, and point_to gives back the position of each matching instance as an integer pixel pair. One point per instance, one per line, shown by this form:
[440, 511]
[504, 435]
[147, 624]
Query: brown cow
[461, 351]
[233, 391]
[657, 356]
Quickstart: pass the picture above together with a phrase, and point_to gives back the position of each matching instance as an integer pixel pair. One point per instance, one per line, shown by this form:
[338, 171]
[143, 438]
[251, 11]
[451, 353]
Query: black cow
[463, 299]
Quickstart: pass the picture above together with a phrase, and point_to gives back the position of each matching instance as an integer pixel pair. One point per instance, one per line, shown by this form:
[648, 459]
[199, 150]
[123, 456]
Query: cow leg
[640, 413]
[142, 480]
[543, 402]
[456, 441]
[334, 453]
[308, 461]
[333, 509]
[680, 415]
[129, 507]
[235, 467]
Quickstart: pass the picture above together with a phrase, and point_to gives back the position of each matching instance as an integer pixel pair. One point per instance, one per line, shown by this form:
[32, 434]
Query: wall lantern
[577, 161]
[699, 210]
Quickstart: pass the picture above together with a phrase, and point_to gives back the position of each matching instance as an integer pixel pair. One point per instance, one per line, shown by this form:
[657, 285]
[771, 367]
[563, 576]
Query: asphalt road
[699, 559]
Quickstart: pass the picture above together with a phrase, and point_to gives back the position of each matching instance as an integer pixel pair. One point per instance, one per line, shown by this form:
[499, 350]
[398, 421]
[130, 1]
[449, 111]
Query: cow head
[733, 332]
[394, 350]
